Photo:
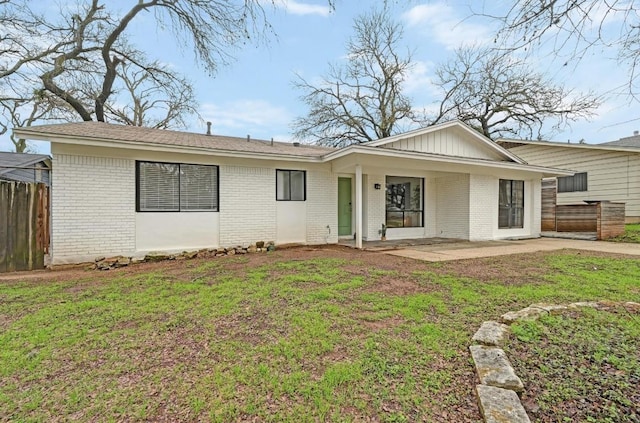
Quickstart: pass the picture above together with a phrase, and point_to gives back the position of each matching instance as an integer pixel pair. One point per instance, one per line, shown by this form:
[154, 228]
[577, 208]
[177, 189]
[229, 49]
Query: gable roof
[100, 134]
[474, 135]
[136, 135]
[11, 161]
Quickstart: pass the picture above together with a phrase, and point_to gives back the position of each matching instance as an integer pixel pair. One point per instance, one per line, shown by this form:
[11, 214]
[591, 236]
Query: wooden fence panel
[577, 218]
[610, 219]
[549, 204]
[4, 225]
[24, 225]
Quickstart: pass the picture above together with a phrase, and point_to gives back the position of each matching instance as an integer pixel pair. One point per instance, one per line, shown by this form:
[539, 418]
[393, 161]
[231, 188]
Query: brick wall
[92, 207]
[322, 207]
[483, 210]
[247, 205]
[452, 215]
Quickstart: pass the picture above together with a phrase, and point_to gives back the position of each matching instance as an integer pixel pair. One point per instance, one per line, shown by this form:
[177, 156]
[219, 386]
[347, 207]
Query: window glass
[176, 187]
[404, 202]
[575, 183]
[158, 186]
[297, 185]
[510, 204]
[290, 185]
[198, 187]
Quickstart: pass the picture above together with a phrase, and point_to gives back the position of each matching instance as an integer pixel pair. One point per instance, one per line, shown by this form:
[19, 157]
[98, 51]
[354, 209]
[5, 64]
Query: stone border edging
[499, 385]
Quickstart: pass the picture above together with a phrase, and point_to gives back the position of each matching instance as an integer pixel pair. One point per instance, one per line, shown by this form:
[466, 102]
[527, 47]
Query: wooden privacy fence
[604, 218]
[549, 204]
[24, 225]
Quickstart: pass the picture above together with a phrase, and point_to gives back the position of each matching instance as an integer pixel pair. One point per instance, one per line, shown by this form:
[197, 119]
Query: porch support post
[359, 206]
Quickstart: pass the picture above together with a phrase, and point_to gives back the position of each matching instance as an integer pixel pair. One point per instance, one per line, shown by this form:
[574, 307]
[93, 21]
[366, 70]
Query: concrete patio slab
[470, 250]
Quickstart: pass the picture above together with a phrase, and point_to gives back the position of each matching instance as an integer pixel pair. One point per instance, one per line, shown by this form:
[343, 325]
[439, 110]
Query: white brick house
[129, 190]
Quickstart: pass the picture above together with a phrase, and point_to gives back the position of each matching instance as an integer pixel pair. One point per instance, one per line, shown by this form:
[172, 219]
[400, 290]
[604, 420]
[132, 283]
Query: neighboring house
[24, 167]
[609, 171]
[130, 190]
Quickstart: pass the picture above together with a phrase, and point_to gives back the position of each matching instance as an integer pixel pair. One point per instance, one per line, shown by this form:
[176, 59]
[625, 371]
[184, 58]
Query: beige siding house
[121, 190]
[608, 171]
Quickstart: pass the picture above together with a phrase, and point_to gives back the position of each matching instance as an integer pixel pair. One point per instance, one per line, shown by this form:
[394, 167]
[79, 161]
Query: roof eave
[362, 149]
[172, 148]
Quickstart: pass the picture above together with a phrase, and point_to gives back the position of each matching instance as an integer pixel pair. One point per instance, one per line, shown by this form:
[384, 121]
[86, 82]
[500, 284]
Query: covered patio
[430, 197]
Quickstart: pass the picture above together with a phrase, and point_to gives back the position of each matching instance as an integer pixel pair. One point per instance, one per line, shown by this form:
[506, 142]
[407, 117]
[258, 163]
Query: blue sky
[254, 94]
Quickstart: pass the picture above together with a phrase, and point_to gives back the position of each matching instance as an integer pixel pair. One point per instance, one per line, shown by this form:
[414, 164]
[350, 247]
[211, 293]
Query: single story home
[123, 190]
[23, 167]
[603, 172]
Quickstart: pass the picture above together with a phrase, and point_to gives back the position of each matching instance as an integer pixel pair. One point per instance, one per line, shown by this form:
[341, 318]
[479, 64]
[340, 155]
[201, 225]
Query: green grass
[319, 339]
[567, 358]
[631, 234]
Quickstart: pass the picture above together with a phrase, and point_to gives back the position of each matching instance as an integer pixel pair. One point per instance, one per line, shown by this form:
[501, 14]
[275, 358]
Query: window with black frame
[511, 204]
[404, 202]
[291, 185]
[176, 187]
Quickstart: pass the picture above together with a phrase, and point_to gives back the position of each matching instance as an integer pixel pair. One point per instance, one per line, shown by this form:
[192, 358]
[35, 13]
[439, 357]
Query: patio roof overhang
[372, 158]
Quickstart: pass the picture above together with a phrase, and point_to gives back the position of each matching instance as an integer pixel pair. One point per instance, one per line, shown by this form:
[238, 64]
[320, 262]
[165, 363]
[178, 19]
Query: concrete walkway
[468, 250]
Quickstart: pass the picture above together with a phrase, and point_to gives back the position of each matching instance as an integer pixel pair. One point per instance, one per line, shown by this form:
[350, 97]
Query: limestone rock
[491, 333]
[156, 256]
[494, 369]
[550, 308]
[529, 313]
[499, 405]
[112, 262]
[590, 304]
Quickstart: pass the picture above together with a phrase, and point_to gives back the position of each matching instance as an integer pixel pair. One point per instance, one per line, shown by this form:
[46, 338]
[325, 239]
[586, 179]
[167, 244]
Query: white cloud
[249, 115]
[419, 78]
[442, 22]
[298, 8]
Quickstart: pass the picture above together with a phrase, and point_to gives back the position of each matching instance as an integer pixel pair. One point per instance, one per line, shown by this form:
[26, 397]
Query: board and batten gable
[449, 142]
[611, 175]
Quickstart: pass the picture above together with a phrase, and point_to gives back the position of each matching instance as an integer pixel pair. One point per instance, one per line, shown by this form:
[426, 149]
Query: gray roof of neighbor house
[633, 141]
[135, 134]
[10, 161]
[629, 144]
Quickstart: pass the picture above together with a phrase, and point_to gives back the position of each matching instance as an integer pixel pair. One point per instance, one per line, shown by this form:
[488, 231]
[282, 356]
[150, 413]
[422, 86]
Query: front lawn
[297, 335]
[581, 366]
[631, 234]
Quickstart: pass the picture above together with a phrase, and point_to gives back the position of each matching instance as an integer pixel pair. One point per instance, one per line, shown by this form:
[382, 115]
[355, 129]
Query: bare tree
[152, 97]
[93, 40]
[361, 100]
[498, 95]
[78, 56]
[573, 28]
[21, 112]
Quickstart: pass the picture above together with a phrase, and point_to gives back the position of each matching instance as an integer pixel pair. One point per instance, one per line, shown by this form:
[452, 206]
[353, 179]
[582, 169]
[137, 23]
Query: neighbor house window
[511, 204]
[291, 185]
[176, 187]
[404, 200]
[575, 183]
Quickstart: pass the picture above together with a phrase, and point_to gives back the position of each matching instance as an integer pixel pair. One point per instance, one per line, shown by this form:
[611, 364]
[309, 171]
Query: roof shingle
[109, 131]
